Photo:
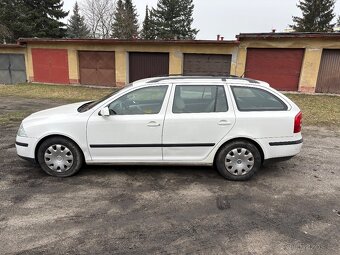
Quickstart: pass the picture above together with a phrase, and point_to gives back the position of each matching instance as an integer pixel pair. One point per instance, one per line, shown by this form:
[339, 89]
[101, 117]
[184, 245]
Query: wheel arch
[52, 136]
[258, 146]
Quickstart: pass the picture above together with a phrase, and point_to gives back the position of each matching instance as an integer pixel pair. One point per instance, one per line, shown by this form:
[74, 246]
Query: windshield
[89, 105]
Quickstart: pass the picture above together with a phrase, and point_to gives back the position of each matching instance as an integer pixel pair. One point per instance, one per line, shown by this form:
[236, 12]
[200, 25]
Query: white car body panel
[63, 120]
[195, 128]
[185, 129]
[126, 129]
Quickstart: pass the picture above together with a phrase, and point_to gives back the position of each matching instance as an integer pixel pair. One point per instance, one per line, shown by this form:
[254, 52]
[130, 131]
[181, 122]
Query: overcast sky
[231, 17]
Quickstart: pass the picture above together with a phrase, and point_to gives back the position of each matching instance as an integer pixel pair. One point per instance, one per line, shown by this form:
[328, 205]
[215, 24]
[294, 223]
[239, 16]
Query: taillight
[298, 123]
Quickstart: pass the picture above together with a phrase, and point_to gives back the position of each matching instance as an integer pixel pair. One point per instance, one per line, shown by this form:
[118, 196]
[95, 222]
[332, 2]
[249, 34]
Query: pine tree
[317, 16]
[148, 31]
[76, 27]
[32, 18]
[118, 28]
[187, 10]
[173, 19]
[44, 17]
[13, 20]
[131, 20]
[125, 25]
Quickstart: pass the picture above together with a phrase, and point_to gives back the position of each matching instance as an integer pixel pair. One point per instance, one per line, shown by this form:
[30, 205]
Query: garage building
[114, 63]
[306, 62]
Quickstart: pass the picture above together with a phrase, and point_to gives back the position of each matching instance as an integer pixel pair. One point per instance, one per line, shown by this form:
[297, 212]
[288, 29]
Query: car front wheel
[60, 157]
[238, 160]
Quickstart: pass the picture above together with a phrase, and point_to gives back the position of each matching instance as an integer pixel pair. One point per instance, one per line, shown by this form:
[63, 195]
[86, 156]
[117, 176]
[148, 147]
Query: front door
[133, 131]
[199, 117]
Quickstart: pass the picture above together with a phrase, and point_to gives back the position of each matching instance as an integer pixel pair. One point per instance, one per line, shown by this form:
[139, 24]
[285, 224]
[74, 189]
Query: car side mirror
[104, 112]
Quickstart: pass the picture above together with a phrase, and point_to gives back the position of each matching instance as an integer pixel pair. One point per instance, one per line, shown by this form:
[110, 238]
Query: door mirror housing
[104, 112]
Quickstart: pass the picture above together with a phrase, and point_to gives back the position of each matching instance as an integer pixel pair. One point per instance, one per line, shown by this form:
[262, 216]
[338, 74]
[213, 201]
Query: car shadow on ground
[192, 172]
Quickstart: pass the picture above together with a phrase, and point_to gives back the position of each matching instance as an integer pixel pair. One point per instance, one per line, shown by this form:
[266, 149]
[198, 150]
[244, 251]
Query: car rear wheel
[60, 157]
[238, 160]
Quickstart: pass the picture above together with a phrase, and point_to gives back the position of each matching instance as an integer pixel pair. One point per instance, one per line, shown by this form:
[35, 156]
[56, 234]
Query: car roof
[188, 80]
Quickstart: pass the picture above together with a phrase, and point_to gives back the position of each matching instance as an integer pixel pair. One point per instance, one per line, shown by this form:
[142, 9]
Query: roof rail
[181, 77]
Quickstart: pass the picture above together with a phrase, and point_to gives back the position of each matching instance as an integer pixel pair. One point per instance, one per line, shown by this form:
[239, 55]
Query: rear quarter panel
[264, 127]
[266, 124]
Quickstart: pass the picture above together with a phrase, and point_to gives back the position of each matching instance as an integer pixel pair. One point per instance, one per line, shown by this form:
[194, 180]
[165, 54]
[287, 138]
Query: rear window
[255, 99]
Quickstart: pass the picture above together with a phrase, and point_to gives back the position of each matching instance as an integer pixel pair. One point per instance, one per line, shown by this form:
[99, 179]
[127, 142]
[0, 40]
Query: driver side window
[141, 101]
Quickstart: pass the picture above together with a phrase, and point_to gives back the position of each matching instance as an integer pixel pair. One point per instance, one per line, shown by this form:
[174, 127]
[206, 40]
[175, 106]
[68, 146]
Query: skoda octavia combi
[231, 123]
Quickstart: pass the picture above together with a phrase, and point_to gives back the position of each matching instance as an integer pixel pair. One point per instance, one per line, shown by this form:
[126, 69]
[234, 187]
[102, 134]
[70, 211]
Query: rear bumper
[276, 160]
[25, 147]
[280, 147]
[295, 142]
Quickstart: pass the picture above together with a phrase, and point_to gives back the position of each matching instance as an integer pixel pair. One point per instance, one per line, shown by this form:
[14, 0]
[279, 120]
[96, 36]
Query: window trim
[259, 110]
[201, 85]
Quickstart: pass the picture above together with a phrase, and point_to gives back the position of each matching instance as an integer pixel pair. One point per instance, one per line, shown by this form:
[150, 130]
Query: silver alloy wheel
[239, 161]
[58, 158]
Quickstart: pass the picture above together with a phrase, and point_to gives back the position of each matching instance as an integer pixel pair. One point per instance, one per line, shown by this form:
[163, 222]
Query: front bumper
[25, 147]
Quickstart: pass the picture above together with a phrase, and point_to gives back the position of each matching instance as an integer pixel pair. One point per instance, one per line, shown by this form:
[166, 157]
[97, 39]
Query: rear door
[197, 118]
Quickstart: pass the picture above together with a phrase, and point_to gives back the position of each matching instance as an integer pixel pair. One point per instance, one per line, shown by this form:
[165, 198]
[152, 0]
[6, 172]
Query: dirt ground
[291, 207]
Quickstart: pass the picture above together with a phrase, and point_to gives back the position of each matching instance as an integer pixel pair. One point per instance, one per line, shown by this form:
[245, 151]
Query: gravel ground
[291, 207]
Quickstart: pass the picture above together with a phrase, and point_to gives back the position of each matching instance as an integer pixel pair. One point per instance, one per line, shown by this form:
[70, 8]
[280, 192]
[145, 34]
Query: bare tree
[99, 15]
[5, 34]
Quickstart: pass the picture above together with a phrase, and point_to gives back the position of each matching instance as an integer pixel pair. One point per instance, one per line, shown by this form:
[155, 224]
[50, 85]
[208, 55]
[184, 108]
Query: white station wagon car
[232, 123]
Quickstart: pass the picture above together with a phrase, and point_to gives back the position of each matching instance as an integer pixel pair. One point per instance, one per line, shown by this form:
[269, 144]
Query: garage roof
[244, 36]
[11, 46]
[23, 41]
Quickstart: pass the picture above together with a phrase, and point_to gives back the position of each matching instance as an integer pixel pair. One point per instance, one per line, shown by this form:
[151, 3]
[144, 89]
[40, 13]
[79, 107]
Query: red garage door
[281, 68]
[50, 66]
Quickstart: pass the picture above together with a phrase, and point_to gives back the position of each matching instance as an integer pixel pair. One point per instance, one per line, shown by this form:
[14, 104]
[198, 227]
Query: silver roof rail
[178, 77]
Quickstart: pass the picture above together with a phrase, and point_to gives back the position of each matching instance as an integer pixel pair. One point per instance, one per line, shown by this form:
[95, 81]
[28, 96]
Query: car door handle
[224, 123]
[153, 124]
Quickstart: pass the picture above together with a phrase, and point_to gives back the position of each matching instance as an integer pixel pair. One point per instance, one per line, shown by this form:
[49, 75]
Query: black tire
[73, 150]
[243, 168]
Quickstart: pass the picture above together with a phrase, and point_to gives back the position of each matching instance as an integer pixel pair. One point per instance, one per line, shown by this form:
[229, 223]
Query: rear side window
[199, 99]
[255, 99]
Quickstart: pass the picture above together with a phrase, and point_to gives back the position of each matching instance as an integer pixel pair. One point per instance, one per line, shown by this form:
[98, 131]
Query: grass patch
[318, 110]
[12, 117]
[55, 92]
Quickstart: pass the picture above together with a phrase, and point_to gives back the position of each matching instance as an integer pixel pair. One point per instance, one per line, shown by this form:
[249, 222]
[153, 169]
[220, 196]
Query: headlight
[21, 131]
